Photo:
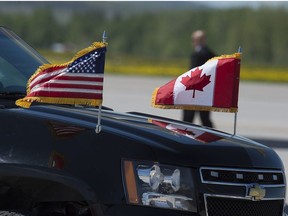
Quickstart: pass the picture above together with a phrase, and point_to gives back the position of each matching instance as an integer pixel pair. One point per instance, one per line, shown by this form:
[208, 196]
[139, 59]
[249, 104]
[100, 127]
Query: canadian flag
[213, 86]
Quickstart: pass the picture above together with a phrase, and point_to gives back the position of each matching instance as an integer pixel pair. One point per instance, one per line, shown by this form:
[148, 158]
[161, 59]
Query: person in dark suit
[200, 55]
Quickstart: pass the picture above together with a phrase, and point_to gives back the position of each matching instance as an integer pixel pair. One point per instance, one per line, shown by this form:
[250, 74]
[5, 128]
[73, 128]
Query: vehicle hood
[171, 141]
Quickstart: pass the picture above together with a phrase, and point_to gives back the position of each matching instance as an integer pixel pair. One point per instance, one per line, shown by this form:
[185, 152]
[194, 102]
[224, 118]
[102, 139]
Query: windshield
[18, 61]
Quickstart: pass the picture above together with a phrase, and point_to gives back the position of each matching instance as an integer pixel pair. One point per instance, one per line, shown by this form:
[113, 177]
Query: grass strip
[173, 68]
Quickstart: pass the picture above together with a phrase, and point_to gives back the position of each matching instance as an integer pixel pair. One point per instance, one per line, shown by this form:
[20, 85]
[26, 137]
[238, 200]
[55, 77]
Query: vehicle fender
[44, 184]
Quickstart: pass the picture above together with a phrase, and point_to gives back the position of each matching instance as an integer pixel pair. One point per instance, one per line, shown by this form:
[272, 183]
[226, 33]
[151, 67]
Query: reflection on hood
[63, 130]
[190, 132]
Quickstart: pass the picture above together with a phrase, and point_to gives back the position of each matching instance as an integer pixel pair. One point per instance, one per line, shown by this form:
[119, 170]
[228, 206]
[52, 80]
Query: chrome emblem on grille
[256, 192]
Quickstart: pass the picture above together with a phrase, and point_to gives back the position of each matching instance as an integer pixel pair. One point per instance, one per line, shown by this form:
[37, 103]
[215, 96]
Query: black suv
[53, 163]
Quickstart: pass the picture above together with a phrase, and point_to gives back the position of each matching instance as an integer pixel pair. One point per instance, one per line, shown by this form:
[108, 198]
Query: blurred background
[153, 38]
[150, 43]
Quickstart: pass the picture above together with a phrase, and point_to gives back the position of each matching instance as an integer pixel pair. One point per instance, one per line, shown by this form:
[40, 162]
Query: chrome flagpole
[235, 115]
[98, 126]
[235, 123]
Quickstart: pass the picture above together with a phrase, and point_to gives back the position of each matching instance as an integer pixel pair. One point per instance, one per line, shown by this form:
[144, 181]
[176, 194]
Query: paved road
[263, 108]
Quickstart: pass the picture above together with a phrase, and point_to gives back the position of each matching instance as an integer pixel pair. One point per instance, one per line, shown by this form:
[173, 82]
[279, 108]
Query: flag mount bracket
[98, 126]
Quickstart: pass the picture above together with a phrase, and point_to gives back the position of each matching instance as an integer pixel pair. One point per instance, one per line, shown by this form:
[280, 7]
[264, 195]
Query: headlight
[156, 185]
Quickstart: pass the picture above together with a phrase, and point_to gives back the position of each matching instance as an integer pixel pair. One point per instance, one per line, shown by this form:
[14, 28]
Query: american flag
[79, 81]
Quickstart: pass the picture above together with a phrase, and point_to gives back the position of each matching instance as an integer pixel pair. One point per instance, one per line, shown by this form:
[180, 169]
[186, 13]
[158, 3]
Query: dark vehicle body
[53, 163]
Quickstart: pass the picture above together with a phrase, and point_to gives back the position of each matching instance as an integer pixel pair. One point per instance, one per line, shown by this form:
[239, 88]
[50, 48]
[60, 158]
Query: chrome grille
[241, 176]
[219, 206]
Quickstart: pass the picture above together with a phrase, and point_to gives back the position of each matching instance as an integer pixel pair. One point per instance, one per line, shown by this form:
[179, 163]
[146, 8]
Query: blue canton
[84, 64]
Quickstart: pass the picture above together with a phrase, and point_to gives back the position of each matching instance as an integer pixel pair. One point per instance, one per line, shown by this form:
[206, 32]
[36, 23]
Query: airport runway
[262, 116]
[263, 107]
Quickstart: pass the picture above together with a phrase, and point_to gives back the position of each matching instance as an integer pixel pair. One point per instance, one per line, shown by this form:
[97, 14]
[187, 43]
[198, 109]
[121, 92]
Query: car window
[18, 61]
[11, 79]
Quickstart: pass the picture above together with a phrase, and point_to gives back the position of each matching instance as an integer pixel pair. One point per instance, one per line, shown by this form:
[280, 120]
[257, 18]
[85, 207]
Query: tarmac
[263, 107]
[262, 113]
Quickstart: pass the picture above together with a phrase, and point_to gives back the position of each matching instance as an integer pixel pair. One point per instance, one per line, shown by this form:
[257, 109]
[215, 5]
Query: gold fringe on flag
[26, 101]
[235, 56]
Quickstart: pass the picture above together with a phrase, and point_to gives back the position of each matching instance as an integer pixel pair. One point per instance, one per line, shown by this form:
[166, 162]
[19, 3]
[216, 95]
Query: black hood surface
[170, 141]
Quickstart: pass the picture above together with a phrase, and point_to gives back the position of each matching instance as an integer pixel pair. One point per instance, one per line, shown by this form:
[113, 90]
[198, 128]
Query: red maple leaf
[195, 82]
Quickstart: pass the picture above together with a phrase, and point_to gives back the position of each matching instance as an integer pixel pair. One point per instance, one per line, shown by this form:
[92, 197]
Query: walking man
[200, 55]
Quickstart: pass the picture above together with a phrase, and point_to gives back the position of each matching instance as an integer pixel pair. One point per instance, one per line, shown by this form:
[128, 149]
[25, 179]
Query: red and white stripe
[57, 82]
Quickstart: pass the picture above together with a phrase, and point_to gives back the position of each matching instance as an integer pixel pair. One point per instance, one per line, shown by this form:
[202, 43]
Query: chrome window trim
[242, 170]
[237, 197]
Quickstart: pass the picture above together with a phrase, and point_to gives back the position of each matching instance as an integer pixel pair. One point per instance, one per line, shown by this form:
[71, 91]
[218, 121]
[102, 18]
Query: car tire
[14, 213]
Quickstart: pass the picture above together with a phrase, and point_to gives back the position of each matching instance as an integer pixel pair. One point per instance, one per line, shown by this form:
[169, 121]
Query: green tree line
[261, 33]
